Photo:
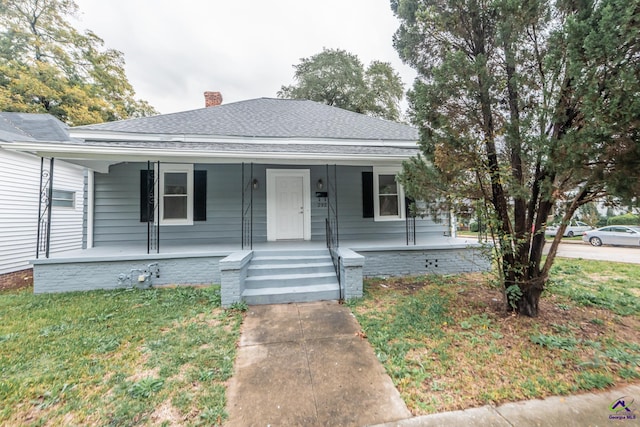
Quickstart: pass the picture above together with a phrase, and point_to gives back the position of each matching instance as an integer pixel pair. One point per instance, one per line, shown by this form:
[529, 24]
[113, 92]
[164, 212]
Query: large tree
[524, 106]
[336, 77]
[46, 65]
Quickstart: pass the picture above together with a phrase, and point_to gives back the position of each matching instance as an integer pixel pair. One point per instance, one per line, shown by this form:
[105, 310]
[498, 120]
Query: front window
[176, 187]
[388, 197]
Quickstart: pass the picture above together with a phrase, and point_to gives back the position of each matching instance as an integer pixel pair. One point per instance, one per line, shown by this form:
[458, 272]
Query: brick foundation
[16, 279]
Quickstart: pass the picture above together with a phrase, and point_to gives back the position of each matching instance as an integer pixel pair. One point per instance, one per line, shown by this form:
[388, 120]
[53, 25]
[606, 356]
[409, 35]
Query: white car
[626, 235]
[575, 228]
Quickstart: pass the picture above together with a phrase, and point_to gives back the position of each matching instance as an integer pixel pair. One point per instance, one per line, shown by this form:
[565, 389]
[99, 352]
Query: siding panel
[117, 208]
[19, 193]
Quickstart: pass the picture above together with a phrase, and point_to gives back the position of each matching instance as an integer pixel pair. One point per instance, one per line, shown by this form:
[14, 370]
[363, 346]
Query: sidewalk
[306, 365]
[590, 409]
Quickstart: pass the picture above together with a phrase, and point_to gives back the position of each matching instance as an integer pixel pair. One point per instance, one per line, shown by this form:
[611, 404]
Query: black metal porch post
[251, 214]
[335, 192]
[157, 202]
[149, 188]
[49, 200]
[39, 208]
[242, 208]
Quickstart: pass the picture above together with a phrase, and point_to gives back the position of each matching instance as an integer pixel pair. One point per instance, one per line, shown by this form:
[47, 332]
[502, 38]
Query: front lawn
[122, 357]
[448, 344]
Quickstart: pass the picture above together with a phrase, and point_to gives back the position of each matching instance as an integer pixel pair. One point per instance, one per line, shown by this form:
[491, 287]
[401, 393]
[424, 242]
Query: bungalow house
[20, 181]
[276, 200]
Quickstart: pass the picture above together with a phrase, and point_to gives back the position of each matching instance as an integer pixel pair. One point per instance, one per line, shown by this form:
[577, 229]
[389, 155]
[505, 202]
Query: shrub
[626, 219]
[474, 227]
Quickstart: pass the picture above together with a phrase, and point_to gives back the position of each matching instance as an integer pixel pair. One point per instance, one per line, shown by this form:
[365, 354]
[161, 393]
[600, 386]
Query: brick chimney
[211, 99]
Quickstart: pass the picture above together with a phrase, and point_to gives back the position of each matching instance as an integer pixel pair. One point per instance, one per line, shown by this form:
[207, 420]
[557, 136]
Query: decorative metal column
[43, 236]
[152, 207]
[332, 236]
[247, 187]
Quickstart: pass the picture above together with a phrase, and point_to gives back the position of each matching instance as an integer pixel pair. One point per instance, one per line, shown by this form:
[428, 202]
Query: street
[604, 253]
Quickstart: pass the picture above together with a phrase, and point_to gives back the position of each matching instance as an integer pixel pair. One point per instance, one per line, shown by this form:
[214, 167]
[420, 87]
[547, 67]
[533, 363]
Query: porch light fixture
[254, 183]
[320, 184]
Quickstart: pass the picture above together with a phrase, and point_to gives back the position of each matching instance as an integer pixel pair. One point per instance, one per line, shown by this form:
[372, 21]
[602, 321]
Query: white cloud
[176, 50]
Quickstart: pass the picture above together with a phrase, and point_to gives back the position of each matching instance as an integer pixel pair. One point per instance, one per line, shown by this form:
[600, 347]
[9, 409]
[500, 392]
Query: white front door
[288, 204]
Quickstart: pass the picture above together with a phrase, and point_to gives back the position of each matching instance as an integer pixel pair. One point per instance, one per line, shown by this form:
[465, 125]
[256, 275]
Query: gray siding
[352, 226]
[20, 196]
[117, 208]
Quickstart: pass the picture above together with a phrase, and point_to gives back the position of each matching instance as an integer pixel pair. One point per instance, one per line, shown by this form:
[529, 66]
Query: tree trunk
[528, 303]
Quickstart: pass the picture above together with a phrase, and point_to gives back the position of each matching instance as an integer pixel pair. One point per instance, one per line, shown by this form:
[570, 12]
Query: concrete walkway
[306, 365]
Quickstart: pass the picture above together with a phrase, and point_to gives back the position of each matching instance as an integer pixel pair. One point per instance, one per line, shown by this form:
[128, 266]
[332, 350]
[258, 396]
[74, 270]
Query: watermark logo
[622, 409]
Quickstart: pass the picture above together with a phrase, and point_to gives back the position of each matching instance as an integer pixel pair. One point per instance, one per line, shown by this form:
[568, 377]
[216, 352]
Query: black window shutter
[367, 194]
[146, 195]
[199, 195]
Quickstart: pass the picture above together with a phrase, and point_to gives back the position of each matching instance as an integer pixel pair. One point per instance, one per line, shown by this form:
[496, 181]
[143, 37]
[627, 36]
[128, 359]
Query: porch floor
[170, 250]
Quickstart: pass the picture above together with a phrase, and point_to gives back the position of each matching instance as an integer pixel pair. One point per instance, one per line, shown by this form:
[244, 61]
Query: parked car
[627, 235]
[575, 228]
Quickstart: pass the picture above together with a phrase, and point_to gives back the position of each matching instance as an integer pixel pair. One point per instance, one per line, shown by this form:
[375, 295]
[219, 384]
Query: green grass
[125, 357]
[602, 284]
[448, 343]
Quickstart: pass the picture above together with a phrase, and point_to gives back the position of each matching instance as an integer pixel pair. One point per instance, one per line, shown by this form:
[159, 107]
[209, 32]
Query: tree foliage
[46, 65]
[338, 78]
[523, 105]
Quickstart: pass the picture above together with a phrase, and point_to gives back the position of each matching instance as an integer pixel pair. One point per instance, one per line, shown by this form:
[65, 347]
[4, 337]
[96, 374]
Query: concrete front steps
[276, 277]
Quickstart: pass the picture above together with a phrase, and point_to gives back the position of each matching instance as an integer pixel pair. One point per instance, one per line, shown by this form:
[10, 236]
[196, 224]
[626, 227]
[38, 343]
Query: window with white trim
[176, 194]
[63, 198]
[388, 195]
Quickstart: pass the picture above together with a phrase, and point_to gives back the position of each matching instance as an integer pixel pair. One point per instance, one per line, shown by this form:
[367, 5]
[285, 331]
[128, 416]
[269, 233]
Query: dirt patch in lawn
[167, 414]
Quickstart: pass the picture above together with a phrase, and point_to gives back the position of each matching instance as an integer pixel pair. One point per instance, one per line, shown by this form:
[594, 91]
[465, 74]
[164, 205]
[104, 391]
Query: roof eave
[95, 135]
[121, 154]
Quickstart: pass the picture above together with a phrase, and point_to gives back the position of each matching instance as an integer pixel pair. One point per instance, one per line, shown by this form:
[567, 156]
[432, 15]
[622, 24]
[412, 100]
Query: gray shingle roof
[266, 118]
[31, 127]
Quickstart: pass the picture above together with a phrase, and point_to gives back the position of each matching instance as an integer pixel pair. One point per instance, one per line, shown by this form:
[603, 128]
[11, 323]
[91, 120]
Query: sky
[175, 50]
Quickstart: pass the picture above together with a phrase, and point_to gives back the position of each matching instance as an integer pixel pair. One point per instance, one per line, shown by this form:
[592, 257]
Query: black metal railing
[410, 220]
[332, 245]
[43, 237]
[410, 229]
[332, 235]
[248, 185]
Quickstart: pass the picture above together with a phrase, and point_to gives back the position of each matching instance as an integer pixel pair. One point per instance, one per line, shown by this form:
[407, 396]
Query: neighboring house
[249, 195]
[19, 201]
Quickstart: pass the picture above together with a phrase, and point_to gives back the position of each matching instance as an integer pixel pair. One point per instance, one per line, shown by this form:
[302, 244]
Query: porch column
[43, 236]
[332, 234]
[453, 221]
[90, 207]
